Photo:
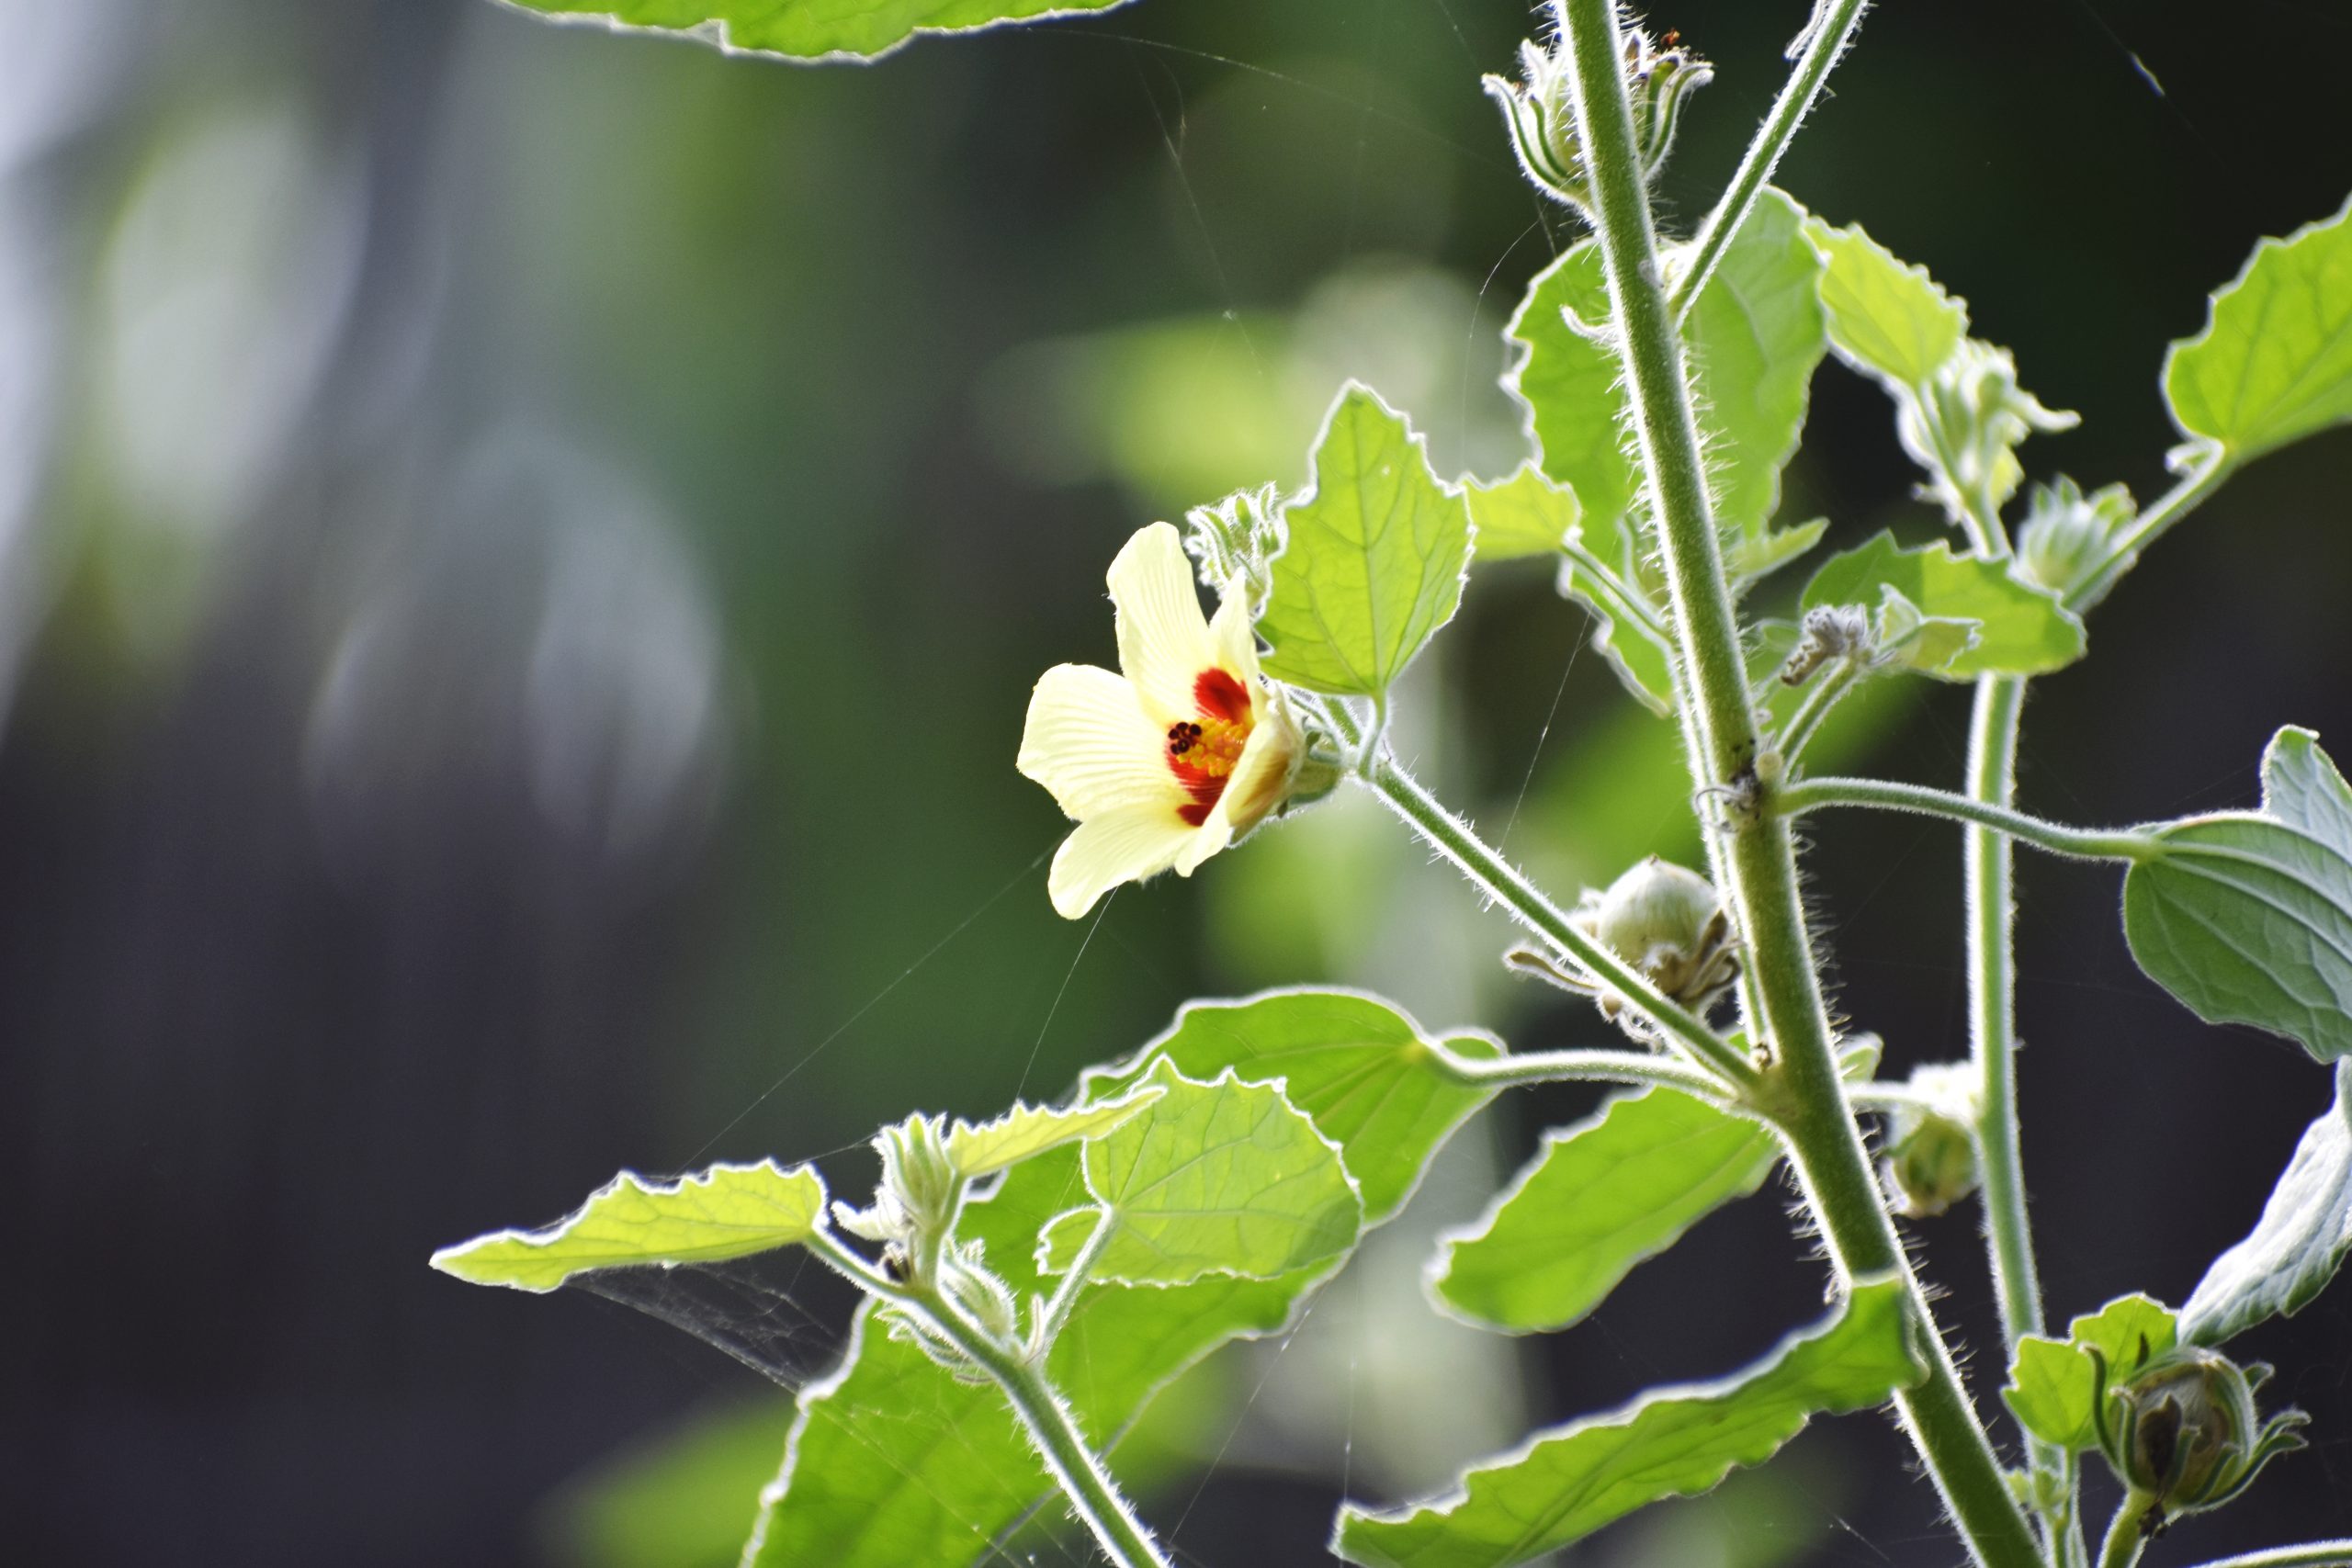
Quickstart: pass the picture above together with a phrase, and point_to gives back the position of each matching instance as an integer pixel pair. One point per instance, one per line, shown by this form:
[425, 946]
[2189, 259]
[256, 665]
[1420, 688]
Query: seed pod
[1668, 923]
[1930, 1159]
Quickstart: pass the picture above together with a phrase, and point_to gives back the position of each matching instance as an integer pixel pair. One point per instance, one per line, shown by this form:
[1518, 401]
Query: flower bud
[1235, 543]
[1930, 1159]
[2181, 1431]
[1540, 112]
[965, 1280]
[1668, 923]
[1965, 424]
[1828, 632]
[919, 1181]
[2066, 534]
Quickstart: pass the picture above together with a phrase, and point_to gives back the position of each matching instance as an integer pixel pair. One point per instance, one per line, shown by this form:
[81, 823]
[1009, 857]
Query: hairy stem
[1093, 1496]
[1046, 1325]
[1981, 809]
[1588, 1067]
[2204, 475]
[1826, 694]
[1826, 38]
[1508, 886]
[2124, 1541]
[1826, 1146]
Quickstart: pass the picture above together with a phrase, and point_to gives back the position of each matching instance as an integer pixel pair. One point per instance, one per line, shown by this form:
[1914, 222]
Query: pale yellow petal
[1089, 741]
[1163, 639]
[1235, 637]
[1122, 846]
[1263, 774]
[1207, 839]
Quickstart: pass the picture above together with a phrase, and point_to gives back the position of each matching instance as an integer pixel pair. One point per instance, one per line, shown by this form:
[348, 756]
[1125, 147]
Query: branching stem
[1826, 38]
[1760, 859]
[1508, 886]
[1093, 1496]
[1590, 1067]
[2312, 1554]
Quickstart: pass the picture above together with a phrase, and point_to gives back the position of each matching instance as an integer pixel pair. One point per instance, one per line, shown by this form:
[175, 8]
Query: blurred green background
[523, 553]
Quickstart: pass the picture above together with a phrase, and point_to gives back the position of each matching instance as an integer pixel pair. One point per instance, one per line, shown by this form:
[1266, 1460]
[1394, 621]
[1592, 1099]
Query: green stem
[2207, 470]
[1569, 1067]
[2124, 1543]
[1989, 868]
[1825, 1144]
[1508, 886]
[1824, 39]
[1047, 1327]
[2075, 843]
[1826, 694]
[2311, 1554]
[1093, 1496]
[1635, 606]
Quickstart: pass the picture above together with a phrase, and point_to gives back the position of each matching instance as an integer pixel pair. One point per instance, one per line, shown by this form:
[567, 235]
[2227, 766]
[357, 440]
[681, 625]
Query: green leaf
[2274, 363]
[1217, 1178]
[2053, 1391]
[2127, 1332]
[1027, 1131]
[1525, 514]
[1599, 1198]
[1755, 333]
[729, 1210]
[2022, 629]
[1751, 556]
[1371, 1079]
[895, 1464]
[1376, 555]
[811, 29]
[1886, 319]
[2246, 917]
[2055, 1386]
[1567, 1483]
[2297, 1246]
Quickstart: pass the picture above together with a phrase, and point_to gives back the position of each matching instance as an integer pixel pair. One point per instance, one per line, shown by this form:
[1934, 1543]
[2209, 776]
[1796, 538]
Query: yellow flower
[1174, 757]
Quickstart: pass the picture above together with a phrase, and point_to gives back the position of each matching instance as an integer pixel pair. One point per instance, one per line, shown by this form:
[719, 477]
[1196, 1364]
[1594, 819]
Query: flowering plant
[1200, 1190]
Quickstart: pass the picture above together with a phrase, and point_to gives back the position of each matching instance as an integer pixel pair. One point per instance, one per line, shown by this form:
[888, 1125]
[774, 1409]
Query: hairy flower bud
[1540, 112]
[1236, 542]
[1965, 424]
[2181, 1431]
[1669, 923]
[1930, 1160]
[1828, 632]
[2066, 534]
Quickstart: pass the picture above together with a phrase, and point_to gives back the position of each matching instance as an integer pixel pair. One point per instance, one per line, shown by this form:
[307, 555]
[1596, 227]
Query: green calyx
[2182, 1432]
[2068, 536]
[1541, 120]
[1669, 923]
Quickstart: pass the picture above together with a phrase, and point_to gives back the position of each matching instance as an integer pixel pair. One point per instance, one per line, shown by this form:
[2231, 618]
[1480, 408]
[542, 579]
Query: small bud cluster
[1236, 542]
[1965, 424]
[2066, 534]
[2181, 1431]
[913, 1216]
[1667, 922]
[1541, 114]
[1930, 1159]
[1829, 632]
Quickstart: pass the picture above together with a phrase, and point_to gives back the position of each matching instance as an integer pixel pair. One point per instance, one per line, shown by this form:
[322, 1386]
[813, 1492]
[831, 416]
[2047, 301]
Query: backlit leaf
[1565, 1483]
[1219, 1178]
[729, 1210]
[1525, 514]
[1027, 1131]
[1371, 1079]
[1376, 559]
[1886, 319]
[810, 29]
[1599, 1198]
[2274, 363]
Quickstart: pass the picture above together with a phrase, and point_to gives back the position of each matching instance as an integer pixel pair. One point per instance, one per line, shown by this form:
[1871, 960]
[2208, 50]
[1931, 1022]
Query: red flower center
[1203, 751]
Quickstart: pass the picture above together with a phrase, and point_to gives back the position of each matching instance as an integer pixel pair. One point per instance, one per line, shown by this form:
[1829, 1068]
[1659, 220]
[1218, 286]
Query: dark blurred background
[521, 557]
